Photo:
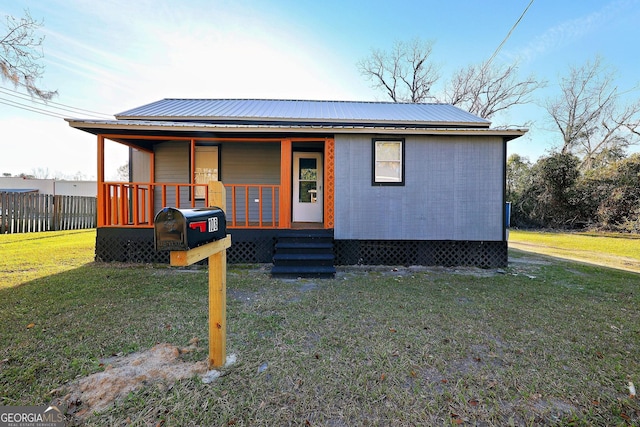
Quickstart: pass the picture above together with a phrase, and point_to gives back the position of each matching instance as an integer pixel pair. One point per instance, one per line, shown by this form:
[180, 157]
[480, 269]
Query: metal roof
[304, 112]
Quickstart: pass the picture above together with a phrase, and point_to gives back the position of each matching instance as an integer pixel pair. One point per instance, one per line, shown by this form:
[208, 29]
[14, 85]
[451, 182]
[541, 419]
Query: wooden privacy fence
[32, 212]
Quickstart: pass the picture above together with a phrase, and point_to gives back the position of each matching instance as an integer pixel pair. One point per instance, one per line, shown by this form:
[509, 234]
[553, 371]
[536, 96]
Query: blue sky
[111, 55]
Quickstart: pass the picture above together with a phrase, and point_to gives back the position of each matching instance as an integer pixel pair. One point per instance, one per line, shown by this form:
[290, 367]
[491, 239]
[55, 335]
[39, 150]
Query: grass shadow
[61, 326]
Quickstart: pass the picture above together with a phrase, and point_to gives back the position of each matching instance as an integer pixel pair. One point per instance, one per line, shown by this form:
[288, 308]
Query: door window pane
[308, 192]
[308, 169]
[308, 177]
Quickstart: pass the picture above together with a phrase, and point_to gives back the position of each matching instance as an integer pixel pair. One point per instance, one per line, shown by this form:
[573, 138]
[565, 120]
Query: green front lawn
[28, 256]
[541, 342]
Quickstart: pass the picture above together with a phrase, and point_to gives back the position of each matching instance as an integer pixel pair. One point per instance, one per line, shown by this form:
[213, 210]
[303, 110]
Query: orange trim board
[285, 183]
[188, 138]
[329, 184]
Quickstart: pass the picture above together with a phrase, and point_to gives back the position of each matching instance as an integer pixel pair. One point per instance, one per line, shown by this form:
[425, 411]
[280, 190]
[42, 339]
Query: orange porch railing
[134, 204]
[253, 206]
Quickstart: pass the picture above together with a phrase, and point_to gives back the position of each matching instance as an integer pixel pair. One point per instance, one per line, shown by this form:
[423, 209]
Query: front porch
[257, 205]
[262, 180]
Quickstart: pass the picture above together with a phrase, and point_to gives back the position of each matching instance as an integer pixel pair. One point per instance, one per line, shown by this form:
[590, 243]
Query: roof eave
[106, 127]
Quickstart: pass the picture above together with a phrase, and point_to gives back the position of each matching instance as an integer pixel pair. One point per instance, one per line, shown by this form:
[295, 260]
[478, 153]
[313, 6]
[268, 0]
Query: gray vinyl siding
[453, 190]
[251, 163]
[140, 166]
[172, 166]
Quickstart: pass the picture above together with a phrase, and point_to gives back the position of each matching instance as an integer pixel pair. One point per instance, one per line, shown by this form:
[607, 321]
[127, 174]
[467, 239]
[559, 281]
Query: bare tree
[20, 53]
[591, 116]
[485, 89]
[633, 124]
[79, 176]
[122, 172]
[405, 74]
[40, 173]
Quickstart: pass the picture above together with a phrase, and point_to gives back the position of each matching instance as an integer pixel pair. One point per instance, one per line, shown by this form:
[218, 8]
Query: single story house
[311, 184]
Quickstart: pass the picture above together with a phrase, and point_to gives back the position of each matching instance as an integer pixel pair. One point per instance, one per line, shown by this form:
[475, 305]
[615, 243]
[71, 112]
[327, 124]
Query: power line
[29, 108]
[51, 110]
[52, 105]
[509, 34]
[84, 110]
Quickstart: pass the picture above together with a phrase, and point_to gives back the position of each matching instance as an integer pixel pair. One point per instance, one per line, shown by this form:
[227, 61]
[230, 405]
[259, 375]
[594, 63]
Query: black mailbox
[183, 229]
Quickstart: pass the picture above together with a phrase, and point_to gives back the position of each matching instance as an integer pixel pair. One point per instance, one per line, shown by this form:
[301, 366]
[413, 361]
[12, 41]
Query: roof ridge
[304, 100]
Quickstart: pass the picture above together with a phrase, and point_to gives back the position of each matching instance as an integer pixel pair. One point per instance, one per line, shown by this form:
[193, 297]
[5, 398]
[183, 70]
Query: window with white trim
[388, 162]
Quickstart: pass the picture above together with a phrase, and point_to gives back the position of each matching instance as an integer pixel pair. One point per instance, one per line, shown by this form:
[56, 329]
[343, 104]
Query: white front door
[307, 187]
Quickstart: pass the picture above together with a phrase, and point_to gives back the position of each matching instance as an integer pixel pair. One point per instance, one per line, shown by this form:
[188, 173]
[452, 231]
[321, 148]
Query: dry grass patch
[608, 249]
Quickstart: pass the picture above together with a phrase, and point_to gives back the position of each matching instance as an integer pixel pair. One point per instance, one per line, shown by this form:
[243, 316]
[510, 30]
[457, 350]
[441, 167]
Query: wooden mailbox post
[216, 252]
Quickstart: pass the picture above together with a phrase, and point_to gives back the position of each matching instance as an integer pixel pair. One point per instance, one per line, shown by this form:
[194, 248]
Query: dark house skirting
[136, 245]
[421, 252]
[258, 246]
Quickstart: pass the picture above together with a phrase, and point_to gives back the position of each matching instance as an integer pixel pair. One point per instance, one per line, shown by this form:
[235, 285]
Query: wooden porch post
[152, 187]
[102, 202]
[192, 172]
[285, 183]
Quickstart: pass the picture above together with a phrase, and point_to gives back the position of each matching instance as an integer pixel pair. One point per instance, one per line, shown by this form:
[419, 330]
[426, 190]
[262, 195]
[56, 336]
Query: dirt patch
[552, 410]
[308, 286]
[245, 297]
[355, 270]
[122, 375]
[527, 260]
